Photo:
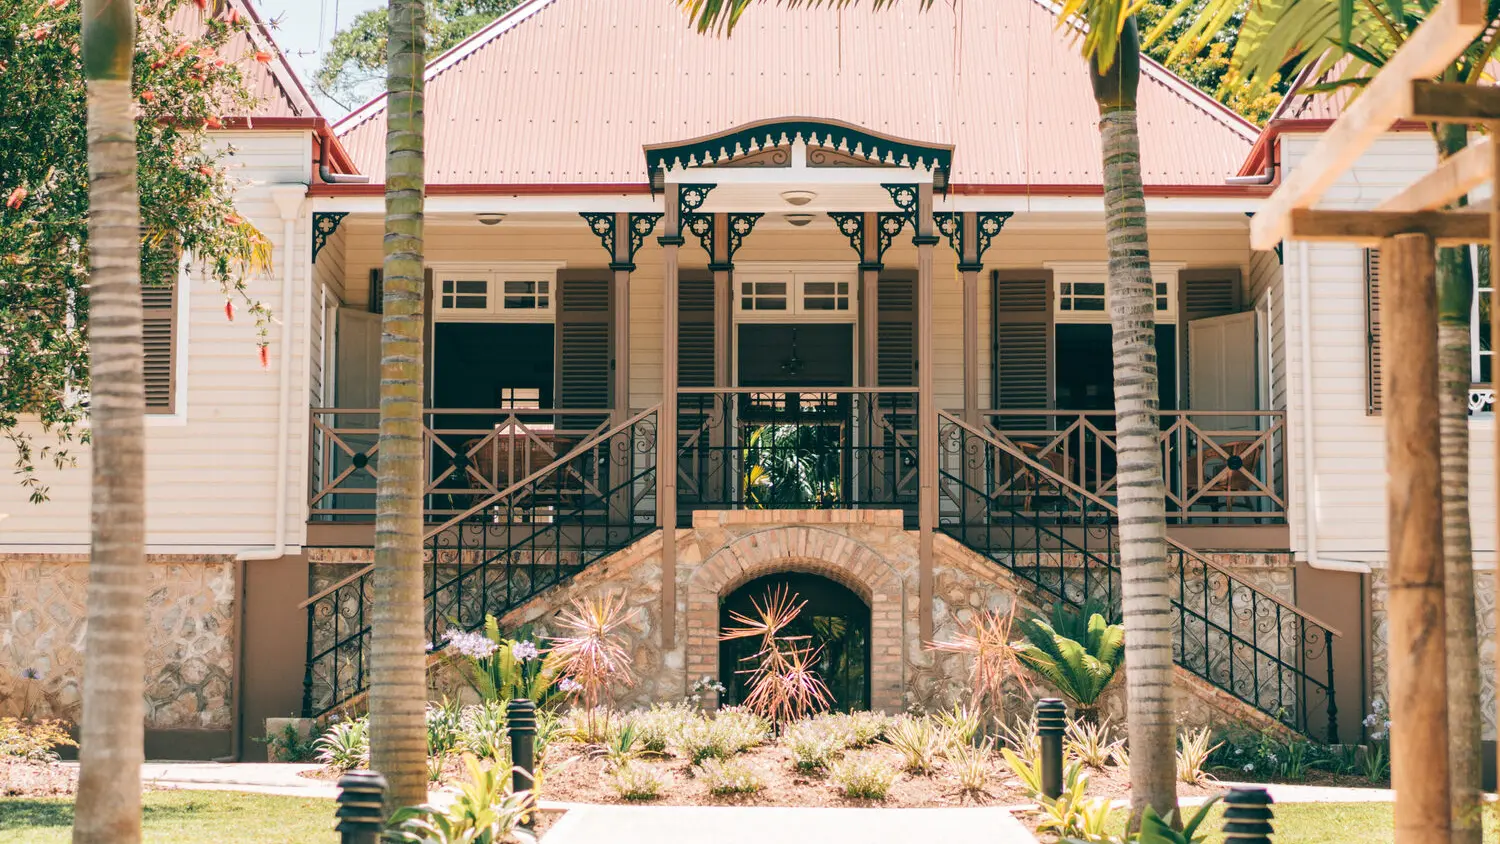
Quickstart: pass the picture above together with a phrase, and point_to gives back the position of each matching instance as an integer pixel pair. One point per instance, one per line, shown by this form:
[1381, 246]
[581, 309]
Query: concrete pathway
[757, 825]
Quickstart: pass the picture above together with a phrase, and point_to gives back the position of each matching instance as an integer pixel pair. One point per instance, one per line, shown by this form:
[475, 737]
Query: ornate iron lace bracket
[689, 199]
[324, 224]
[852, 226]
[603, 226]
[740, 226]
[988, 223]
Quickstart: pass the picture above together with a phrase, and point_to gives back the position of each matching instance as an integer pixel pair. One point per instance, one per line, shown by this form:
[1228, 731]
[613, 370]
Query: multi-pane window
[764, 295]
[825, 296]
[1082, 291]
[519, 292]
[790, 291]
[520, 398]
[1082, 296]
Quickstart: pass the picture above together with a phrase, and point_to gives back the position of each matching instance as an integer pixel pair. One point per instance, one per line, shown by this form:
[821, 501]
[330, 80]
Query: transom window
[1082, 293]
[795, 291]
[520, 292]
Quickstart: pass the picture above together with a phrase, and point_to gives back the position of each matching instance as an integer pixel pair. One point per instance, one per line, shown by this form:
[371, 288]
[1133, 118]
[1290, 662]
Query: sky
[306, 28]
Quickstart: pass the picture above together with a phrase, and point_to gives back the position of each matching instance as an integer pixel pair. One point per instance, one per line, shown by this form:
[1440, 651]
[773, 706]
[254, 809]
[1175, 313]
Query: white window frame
[797, 276]
[495, 275]
[1097, 272]
[1475, 354]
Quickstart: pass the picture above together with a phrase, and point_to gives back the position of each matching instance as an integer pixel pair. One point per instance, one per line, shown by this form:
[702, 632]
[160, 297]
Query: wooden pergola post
[1417, 616]
[666, 432]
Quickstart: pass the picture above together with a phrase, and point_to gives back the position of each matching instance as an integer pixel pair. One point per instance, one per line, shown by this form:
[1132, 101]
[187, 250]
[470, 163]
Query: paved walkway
[757, 825]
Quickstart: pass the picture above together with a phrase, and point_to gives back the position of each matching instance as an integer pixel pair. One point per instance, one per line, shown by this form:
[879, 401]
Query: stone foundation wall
[1484, 601]
[867, 551]
[190, 639]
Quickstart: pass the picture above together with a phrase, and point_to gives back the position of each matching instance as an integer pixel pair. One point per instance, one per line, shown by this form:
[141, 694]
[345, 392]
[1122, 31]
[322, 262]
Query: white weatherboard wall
[1349, 490]
[211, 467]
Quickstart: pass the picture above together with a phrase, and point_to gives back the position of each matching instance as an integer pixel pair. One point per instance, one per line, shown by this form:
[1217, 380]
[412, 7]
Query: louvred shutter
[583, 343]
[695, 333]
[1372, 326]
[1202, 293]
[1023, 344]
[159, 342]
[896, 336]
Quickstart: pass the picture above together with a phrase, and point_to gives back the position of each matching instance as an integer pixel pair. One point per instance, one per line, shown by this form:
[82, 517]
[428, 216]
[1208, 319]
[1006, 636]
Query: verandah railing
[1002, 502]
[472, 454]
[1220, 465]
[547, 526]
[801, 448]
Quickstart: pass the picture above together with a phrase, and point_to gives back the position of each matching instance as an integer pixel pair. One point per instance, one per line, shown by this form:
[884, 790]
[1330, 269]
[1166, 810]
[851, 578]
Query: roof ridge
[447, 59]
[262, 30]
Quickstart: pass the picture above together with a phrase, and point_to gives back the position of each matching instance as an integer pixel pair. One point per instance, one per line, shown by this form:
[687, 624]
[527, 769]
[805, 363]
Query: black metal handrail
[797, 448]
[997, 500]
[496, 556]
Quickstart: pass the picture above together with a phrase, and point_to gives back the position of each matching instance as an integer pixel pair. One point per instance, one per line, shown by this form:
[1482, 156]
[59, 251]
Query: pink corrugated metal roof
[569, 91]
[278, 91]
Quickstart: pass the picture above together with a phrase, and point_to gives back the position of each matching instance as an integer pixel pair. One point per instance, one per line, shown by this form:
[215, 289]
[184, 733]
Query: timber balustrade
[472, 454]
[1062, 540]
[797, 448]
[1222, 466]
[540, 530]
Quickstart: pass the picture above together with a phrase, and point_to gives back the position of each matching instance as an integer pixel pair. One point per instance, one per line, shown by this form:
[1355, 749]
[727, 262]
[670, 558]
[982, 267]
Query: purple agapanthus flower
[569, 685]
[30, 674]
[524, 650]
[471, 645]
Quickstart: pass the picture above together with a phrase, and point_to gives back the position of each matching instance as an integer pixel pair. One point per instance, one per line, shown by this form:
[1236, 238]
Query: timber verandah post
[666, 430]
[927, 452]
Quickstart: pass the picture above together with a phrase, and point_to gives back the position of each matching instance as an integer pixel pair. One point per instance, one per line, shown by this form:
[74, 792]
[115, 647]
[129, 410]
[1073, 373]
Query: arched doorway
[835, 619]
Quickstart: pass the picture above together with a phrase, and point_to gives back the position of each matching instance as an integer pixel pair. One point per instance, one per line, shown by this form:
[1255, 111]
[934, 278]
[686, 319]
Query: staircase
[596, 499]
[1059, 538]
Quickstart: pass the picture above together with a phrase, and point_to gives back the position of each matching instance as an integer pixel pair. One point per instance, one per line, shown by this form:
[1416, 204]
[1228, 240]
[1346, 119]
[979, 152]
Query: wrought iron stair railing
[1240, 638]
[595, 500]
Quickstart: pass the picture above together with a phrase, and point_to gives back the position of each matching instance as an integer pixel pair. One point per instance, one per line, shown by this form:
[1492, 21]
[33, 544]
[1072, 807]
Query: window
[1083, 291]
[1482, 349]
[791, 291]
[523, 292]
[520, 398]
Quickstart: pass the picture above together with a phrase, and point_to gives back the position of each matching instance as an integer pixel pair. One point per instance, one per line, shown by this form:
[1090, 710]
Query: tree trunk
[112, 736]
[1455, 282]
[398, 674]
[1145, 577]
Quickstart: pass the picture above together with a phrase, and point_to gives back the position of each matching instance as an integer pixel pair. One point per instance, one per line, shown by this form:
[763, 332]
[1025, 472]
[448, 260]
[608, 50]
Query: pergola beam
[1387, 99]
[1455, 176]
[1454, 102]
[1369, 228]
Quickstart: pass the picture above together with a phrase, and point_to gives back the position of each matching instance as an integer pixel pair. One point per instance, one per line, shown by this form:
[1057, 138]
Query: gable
[569, 92]
[278, 91]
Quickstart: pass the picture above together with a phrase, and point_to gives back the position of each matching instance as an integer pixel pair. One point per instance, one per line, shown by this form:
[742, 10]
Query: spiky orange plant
[986, 639]
[783, 685]
[593, 656]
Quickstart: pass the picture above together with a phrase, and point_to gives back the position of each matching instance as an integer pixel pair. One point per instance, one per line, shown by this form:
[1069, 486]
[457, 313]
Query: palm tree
[112, 736]
[1342, 44]
[1111, 46]
[398, 673]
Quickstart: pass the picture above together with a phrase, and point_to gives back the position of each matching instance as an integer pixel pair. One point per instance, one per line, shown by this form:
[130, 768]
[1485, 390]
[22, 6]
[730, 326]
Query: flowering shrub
[186, 81]
[637, 781]
[501, 669]
[33, 741]
[863, 777]
[702, 688]
[729, 776]
[659, 726]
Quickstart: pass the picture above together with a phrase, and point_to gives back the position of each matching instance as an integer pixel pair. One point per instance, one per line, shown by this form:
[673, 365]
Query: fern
[1080, 671]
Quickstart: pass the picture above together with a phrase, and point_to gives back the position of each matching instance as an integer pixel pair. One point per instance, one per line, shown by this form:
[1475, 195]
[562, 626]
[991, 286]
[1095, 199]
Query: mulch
[36, 779]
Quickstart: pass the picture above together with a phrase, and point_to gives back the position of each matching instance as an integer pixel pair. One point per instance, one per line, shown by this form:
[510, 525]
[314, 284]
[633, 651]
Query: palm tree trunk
[398, 675]
[112, 737]
[1145, 577]
[1455, 304]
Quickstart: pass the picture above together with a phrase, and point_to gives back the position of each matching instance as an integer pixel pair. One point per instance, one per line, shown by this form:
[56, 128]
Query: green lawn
[185, 817]
[1326, 823]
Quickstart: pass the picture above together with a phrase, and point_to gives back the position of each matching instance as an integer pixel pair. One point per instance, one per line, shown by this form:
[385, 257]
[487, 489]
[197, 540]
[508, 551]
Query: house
[851, 267]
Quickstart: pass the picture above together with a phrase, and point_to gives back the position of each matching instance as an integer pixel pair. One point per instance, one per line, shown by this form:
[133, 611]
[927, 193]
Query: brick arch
[794, 548]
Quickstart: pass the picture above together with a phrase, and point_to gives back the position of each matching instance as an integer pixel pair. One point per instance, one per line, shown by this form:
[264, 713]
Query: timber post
[927, 444]
[666, 423]
[1418, 677]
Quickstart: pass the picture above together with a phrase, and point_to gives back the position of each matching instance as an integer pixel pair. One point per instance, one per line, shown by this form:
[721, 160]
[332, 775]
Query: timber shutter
[1202, 293]
[1023, 343]
[159, 341]
[376, 303]
[583, 343]
[896, 334]
[695, 330]
[1372, 328]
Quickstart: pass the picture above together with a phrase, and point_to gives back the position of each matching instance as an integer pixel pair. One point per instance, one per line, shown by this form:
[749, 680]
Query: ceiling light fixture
[798, 197]
[489, 219]
[799, 220]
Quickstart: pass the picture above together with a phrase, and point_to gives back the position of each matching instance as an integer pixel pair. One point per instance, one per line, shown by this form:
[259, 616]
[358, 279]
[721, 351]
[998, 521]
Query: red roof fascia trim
[582, 189]
[1255, 162]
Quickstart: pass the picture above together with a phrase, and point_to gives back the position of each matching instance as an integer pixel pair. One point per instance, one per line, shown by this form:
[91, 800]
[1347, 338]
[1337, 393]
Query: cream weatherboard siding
[1028, 241]
[1349, 453]
[211, 467]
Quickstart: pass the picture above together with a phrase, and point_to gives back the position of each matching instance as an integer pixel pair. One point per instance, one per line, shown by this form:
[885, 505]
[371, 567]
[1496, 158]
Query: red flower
[234, 19]
[233, 219]
[158, 64]
[262, 56]
[181, 50]
[147, 96]
[57, 4]
[206, 170]
[229, 310]
[265, 358]
[41, 32]
[202, 4]
[16, 197]
[213, 123]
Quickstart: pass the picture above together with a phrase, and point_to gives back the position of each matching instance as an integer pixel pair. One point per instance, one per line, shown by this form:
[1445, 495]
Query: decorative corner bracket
[324, 224]
[851, 226]
[889, 225]
[603, 227]
[740, 226]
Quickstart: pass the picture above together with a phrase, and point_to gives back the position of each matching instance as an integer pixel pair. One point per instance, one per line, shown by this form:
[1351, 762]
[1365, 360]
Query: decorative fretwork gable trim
[851, 141]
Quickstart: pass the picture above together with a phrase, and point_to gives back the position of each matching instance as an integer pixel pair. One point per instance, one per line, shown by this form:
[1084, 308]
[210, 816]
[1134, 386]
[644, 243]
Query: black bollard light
[1247, 816]
[361, 811]
[1051, 723]
[520, 721]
